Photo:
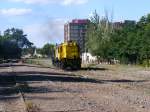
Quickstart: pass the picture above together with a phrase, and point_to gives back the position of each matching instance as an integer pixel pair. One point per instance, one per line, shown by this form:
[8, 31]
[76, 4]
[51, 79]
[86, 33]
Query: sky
[43, 20]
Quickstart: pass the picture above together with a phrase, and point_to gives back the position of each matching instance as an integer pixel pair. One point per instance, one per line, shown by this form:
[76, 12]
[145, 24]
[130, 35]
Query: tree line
[12, 43]
[128, 42]
[47, 50]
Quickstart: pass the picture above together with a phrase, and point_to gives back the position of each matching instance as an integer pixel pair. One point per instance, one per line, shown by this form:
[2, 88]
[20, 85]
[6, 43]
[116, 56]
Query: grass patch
[31, 107]
[41, 62]
[125, 86]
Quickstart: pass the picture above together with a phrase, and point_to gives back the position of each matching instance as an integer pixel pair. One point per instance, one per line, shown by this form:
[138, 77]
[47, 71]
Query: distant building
[129, 22]
[118, 25]
[37, 54]
[87, 58]
[76, 31]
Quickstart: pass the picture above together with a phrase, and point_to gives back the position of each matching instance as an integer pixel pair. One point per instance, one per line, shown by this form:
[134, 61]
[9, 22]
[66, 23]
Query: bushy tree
[12, 43]
[18, 36]
[129, 44]
[98, 35]
[48, 50]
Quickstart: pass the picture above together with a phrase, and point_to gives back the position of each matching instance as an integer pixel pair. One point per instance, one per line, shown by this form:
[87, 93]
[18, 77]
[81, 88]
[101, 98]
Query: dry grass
[31, 107]
[41, 62]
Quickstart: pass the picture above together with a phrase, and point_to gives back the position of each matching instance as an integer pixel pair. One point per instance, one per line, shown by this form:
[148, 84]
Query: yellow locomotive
[67, 55]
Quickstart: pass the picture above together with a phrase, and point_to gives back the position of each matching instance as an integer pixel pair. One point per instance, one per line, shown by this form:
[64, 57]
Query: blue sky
[43, 20]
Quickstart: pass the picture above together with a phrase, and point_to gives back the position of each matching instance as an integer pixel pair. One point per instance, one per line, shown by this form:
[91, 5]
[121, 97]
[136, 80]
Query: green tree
[98, 36]
[129, 44]
[145, 45]
[12, 43]
[18, 36]
[48, 50]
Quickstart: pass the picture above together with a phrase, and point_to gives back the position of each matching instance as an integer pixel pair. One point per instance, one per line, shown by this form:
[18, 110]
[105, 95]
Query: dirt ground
[104, 88]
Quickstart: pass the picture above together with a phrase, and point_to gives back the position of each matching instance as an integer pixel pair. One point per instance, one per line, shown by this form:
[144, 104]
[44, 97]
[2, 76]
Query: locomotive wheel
[63, 65]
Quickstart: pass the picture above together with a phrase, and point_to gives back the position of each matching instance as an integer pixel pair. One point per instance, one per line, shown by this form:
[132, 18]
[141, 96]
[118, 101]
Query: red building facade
[76, 31]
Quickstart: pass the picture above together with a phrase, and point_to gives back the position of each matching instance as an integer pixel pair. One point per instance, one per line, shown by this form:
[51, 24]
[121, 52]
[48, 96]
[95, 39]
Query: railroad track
[12, 94]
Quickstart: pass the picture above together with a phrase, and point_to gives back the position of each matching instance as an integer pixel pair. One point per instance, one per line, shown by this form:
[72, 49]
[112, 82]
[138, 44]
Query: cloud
[15, 11]
[62, 2]
[48, 32]
[33, 1]
[76, 2]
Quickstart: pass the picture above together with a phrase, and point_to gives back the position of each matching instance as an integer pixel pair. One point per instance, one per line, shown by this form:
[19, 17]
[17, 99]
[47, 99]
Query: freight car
[67, 55]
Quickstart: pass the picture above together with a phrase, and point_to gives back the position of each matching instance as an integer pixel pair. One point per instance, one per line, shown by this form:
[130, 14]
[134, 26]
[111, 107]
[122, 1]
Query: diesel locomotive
[67, 55]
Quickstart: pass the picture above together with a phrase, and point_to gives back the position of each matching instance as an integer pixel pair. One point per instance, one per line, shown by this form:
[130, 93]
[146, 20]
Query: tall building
[76, 31]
